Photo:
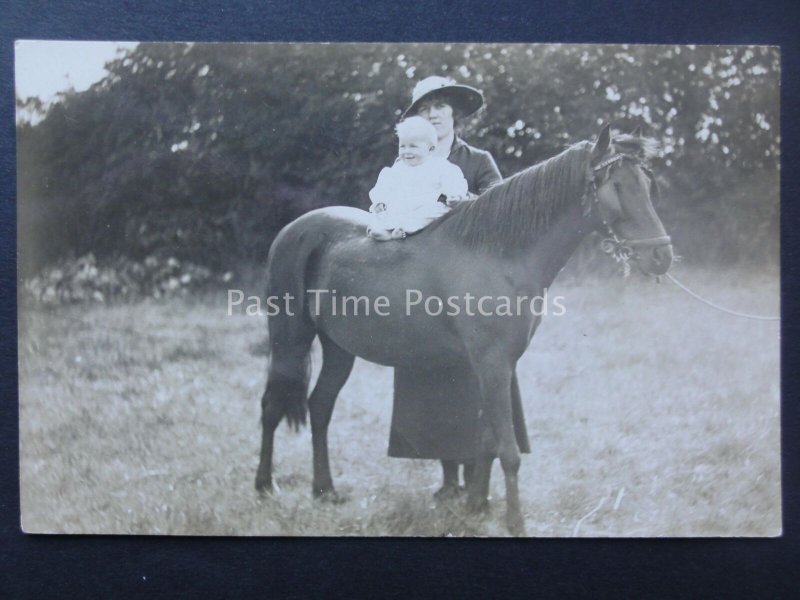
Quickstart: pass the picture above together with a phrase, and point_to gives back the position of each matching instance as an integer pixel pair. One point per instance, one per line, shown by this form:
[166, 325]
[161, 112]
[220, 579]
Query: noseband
[620, 249]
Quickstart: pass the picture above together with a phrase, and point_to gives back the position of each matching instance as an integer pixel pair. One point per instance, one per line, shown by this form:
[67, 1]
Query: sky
[44, 68]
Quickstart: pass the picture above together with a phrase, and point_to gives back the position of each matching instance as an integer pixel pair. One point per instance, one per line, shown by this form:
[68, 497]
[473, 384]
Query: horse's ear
[637, 131]
[601, 145]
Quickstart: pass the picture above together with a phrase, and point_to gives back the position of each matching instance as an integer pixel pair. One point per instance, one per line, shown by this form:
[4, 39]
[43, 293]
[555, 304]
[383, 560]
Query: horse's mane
[514, 212]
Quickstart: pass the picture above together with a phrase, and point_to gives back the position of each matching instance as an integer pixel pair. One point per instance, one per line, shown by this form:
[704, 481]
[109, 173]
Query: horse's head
[622, 190]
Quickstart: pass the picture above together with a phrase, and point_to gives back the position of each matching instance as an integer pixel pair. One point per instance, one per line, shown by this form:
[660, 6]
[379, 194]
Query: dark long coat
[435, 412]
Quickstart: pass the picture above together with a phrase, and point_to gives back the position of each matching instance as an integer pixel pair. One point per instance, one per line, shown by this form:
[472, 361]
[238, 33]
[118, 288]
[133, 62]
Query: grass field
[649, 415]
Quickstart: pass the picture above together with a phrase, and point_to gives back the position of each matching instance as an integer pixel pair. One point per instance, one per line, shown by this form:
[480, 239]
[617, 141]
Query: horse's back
[332, 222]
[339, 234]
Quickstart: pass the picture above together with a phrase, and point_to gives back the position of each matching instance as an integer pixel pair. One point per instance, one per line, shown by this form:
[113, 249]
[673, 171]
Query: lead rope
[717, 306]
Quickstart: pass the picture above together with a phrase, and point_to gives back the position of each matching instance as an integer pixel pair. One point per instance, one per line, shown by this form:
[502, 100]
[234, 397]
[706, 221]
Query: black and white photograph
[399, 289]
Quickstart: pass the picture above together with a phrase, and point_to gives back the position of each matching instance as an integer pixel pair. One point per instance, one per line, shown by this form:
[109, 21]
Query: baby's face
[414, 151]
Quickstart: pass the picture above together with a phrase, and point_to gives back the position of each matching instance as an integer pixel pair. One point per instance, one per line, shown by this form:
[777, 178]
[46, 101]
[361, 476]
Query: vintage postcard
[399, 289]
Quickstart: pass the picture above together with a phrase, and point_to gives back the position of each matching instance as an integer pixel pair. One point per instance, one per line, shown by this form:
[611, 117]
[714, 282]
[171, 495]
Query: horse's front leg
[497, 438]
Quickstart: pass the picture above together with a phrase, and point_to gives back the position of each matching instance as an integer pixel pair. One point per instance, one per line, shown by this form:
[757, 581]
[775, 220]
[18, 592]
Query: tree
[204, 151]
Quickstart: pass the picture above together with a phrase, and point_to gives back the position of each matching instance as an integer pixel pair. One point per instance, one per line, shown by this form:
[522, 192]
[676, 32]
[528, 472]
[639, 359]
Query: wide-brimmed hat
[465, 99]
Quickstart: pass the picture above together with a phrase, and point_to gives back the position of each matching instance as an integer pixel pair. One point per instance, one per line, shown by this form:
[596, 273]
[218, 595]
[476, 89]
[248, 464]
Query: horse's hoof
[516, 526]
[329, 496]
[479, 506]
[264, 486]
[448, 492]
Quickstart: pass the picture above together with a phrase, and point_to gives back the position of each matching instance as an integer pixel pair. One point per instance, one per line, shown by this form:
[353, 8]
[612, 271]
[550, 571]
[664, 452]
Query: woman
[443, 102]
[435, 412]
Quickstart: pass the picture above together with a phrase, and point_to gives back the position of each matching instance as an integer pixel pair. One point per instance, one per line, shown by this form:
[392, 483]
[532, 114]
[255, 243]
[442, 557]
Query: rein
[621, 249]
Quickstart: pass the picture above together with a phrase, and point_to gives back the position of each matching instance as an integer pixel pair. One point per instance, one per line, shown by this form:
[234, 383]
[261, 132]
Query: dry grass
[659, 418]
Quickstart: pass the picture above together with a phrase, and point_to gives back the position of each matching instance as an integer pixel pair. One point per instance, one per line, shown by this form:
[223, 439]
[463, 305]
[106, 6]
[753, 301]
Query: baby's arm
[380, 195]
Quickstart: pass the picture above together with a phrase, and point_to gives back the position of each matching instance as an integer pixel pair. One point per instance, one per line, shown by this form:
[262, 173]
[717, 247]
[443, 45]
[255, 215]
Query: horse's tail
[291, 330]
[287, 390]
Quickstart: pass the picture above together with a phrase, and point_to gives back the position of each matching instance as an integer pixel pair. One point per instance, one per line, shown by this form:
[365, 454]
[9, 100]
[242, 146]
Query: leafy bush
[84, 280]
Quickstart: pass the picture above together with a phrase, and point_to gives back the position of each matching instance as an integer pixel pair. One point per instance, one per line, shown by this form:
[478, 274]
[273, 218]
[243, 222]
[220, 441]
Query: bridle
[620, 249]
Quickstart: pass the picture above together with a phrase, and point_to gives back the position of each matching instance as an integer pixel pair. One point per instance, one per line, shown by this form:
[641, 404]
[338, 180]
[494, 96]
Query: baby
[406, 197]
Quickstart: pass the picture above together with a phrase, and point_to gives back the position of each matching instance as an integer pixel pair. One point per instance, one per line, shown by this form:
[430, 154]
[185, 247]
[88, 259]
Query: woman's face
[440, 114]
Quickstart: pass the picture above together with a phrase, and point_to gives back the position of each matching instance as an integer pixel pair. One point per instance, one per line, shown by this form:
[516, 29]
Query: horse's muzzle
[657, 261]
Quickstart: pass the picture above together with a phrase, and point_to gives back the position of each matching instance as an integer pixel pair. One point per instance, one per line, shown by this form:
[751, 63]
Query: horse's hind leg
[287, 387]
[271, 415]
[336, 366]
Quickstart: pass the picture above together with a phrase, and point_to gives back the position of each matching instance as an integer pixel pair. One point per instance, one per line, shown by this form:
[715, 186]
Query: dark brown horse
[508, 244]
